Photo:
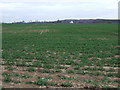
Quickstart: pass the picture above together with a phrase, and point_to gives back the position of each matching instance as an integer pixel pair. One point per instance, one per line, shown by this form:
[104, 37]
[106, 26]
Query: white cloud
[15, 10]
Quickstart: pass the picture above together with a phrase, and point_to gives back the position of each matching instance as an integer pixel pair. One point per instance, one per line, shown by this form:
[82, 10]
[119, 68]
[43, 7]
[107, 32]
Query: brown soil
[76, 83]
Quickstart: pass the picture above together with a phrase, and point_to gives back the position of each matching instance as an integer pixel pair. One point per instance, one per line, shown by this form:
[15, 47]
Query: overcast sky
[31, 10]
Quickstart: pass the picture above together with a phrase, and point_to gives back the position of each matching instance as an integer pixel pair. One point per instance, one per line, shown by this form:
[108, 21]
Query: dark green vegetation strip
[70, 49]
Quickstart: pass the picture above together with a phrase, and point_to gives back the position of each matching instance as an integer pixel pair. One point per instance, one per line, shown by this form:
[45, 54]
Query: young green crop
[66, 84]
[62, 48]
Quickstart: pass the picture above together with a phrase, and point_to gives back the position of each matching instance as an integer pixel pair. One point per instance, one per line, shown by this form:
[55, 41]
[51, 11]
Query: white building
[71, 21]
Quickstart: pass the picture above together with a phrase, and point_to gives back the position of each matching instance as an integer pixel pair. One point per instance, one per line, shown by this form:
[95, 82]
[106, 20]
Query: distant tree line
[75, 21]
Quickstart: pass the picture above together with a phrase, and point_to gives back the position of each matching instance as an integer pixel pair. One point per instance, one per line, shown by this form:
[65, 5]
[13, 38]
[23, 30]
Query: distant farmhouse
[71, 22]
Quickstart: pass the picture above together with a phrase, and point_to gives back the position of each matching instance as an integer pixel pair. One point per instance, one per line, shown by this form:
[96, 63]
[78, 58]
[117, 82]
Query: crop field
[60, 55]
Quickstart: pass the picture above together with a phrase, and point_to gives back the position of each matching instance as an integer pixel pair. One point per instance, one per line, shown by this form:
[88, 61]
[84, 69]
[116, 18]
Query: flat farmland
[60, 55]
